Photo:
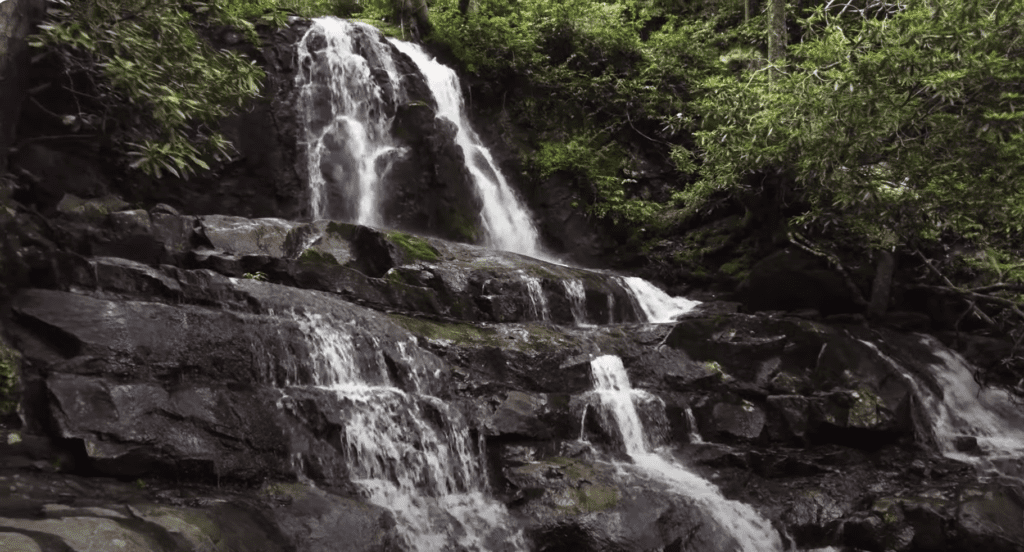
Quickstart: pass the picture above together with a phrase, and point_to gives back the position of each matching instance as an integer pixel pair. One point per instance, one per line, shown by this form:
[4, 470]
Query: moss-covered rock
[312, 256]
[10, 368]
[413, 247]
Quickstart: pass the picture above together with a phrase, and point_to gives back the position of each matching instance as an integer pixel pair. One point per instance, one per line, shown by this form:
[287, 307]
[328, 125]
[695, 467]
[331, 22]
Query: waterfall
[408, 451]
[577, 300]
[611, 385]
[349, 88]
[538, 302]
[964, 409]
[693, 433]
[507, 223]
[658, 306]
[352, 148]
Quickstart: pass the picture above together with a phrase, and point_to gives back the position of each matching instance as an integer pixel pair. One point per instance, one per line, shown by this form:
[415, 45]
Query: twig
[858, 297]
[951, 288]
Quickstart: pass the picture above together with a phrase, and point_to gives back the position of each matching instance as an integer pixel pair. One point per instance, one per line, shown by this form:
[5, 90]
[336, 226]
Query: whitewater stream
[616, 397]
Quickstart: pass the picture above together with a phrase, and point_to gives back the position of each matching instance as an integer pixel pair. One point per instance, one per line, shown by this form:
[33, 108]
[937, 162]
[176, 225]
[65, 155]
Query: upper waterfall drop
[507, 222]
[353, 87]
[352, 147]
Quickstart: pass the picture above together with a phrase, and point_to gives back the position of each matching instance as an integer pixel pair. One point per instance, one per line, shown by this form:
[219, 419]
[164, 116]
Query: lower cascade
[615, 396]
[410, 452]
[983, 426]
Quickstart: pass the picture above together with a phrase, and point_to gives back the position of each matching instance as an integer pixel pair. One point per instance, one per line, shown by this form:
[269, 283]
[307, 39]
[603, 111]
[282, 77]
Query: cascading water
[611, 385]
[349, 87]
[964, 409]
[352, 147]
[658, 306]
[507, 223]
[538, 302]
[408, 451]
[693, 433]
[577, 300]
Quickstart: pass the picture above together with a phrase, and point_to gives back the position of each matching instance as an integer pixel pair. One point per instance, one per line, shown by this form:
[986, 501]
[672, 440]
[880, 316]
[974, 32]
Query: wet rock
[314, 520]
[812, 517]
[574, 504]
[741, 420]
[793, 413]
[89, 209]
[523, 414]
[241, 236]
[966, 443]
[174, 232]
[431, 190]
[988, 518]
[877, 532]
[44, 512]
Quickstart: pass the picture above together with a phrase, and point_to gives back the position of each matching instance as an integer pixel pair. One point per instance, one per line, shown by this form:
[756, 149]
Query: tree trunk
[881, 289]
[777, 35]
[750, 9]
[414, 16]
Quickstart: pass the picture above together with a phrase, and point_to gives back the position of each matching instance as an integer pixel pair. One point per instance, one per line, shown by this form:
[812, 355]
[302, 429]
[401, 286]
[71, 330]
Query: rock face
[217, 382]
[168, 364]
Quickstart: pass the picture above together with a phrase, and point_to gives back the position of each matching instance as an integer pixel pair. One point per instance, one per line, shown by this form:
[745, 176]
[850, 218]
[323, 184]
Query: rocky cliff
[204, 379]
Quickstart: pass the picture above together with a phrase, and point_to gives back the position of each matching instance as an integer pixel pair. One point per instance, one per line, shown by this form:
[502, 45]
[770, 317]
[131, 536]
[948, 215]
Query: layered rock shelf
[178, 401]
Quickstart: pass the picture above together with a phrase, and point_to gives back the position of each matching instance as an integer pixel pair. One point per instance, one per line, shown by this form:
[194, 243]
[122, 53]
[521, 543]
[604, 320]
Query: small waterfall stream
[408, 451]
[507, 223]
[658, 306]
[577, 300]
[964, 413]
[616, 397]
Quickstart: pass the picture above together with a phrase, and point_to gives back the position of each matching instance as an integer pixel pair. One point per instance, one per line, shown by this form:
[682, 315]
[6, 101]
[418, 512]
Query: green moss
[738, 269]
[461, 228]
[864, 412]
[594, 498]
[10, 363]
[414, 247]
[713, 368]
[312, 256]
[394, 277]
[459, 333]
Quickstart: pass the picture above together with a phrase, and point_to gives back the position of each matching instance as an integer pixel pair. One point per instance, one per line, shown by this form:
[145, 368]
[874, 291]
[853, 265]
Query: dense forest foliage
[865, 128]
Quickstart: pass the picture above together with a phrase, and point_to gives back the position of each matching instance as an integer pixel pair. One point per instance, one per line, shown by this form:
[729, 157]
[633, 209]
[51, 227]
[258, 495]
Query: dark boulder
[792, 280]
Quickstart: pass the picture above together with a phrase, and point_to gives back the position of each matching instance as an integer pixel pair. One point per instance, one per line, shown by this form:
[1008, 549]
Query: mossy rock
[413, 247]
[577, 489]
[865, 410]
[460, 228]
[447, 331]
[313, 256]
[10, 366]
[342, 230]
